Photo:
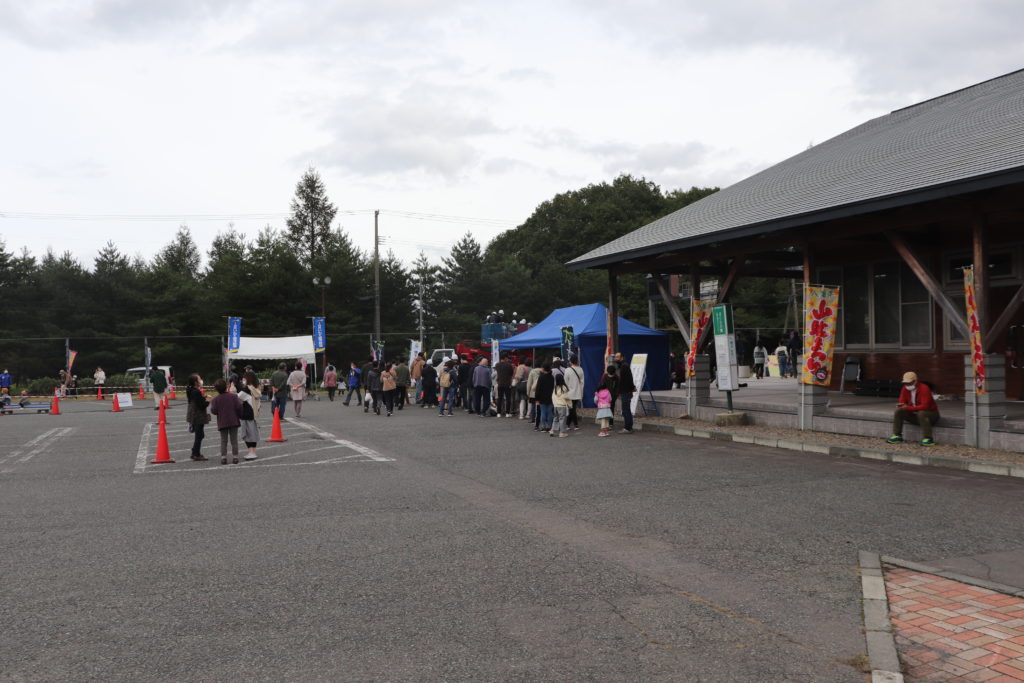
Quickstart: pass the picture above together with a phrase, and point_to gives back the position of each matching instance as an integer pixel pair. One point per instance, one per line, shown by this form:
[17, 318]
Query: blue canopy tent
[589, 323]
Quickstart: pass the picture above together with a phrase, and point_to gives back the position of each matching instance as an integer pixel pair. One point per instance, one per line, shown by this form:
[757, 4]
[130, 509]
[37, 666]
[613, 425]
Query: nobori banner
[234, 334]
[319, 335]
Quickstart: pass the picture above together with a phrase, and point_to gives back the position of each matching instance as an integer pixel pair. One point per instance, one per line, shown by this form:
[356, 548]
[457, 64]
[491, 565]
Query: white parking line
[318, 436]
[34, 447]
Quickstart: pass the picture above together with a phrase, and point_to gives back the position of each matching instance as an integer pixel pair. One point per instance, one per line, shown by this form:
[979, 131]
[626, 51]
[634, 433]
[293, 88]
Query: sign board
[700, 317]
[319, 335]
[495, 352]
[415, 347]
[234, 334]
[568, 347]
[725, 348]
[124, 400]
[637, 366]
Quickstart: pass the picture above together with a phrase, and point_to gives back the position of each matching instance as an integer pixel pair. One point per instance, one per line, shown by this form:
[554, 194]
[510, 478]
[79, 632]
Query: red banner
[974, 326]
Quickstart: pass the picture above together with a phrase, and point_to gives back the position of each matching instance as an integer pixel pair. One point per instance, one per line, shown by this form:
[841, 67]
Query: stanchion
[55, 406]
[117, 405]
[275, 432]
[163, 450]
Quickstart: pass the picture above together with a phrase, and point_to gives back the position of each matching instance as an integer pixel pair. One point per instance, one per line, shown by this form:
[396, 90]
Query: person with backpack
[449, 388]
[279, 383]
[388, 385]
[760, 359]
[402, 380]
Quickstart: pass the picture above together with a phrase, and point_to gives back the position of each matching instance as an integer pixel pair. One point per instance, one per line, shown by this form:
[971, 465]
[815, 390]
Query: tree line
[178, 300]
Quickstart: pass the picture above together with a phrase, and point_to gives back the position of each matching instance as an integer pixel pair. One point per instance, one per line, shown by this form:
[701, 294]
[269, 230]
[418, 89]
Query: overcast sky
[209, 112]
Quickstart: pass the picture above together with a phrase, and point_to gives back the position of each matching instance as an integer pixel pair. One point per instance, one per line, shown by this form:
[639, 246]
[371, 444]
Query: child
[562, 402]
[250, 412]
[228, 409]
[603, 398]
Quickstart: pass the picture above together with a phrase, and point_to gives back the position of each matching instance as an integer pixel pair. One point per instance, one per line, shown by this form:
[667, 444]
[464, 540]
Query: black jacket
[626, 379]
[545, 387]
[465, 374]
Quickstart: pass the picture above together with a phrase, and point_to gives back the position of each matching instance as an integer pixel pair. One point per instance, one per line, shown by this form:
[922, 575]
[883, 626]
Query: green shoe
[927, 442]
[895, 438]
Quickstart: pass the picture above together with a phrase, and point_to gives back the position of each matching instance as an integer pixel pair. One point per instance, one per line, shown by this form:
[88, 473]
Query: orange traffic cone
[275, 431]
[117, 406]
[163, 450]
[162, 419]
[55, 406]
[99, 393]
[142, 393]
[172, 393]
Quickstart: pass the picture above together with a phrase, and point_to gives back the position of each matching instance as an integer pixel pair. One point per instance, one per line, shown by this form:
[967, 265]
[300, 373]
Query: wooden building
[891, 211]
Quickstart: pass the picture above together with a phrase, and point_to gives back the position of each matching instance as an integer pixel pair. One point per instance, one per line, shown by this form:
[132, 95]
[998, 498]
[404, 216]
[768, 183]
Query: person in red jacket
[916, 406]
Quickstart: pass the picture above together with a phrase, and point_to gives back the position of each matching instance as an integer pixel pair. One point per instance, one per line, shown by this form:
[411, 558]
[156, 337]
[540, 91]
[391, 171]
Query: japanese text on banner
[700, 316]
[821, 306]
[319, 335]
[234, 334]
[974, 327]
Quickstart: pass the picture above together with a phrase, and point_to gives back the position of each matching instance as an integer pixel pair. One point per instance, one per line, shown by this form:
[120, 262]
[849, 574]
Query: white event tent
[275, 348]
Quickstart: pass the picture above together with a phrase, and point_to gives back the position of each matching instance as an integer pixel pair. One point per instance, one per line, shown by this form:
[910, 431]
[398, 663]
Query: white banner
[414, 349]
[638, 366]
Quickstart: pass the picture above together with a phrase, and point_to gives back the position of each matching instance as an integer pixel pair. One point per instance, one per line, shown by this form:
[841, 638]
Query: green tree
[309, 225]
[465, 292]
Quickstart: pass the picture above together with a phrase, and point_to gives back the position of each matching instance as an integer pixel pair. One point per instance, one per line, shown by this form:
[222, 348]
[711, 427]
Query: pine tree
[312, 214]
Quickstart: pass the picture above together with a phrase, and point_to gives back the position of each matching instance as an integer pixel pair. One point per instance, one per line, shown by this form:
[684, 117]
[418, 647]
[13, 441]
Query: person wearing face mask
[250, 396]
[916, 406]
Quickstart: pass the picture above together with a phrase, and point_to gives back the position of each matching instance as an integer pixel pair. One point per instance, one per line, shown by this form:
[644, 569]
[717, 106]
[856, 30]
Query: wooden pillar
[673, 309]
[979, 234]
[808, 264]
[613, 308]
[953, 313]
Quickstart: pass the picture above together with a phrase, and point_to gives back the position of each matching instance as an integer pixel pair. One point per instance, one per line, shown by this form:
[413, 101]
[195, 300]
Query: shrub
[44, 386]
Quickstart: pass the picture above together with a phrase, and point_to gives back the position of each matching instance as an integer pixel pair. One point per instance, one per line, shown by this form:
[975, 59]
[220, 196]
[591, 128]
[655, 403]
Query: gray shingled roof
[971, 134]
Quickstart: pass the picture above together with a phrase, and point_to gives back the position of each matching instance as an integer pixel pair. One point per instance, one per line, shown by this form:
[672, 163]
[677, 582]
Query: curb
[893, 457]
[884, 662]
[970, 580]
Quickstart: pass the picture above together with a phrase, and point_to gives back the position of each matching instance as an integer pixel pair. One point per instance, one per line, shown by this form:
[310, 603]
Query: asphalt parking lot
[424, 548]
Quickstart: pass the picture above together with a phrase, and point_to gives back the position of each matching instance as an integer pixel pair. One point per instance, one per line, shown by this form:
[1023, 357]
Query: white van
[142, 375]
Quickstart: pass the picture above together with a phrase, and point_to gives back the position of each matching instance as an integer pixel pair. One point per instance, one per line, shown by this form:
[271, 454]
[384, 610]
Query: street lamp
[322, 284]
[419, 305]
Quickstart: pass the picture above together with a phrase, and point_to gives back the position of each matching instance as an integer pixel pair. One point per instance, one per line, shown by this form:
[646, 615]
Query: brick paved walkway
[951, 631]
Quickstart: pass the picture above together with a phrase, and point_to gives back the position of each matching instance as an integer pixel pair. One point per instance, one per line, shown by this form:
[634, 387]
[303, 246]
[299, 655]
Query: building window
[1000, 267]
[882, 305]
[915, 310]
[857, 305]
[885, 282]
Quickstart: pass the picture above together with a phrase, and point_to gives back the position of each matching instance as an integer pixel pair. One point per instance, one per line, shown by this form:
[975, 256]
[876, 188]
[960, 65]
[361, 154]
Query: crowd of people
[547, 394]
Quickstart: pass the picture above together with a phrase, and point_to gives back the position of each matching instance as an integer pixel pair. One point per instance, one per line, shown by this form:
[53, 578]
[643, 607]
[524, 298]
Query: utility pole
[376, 277]
[421, 312]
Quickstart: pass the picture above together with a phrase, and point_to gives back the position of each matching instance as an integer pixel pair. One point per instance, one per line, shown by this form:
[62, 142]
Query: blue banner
[568, 346]
[319, 335]
[234, 334]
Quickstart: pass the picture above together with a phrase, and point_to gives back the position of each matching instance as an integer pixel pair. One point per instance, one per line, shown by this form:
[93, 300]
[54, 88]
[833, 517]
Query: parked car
[143, 375]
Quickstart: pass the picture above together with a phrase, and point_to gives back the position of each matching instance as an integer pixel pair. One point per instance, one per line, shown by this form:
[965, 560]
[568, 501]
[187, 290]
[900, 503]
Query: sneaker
[562, 436]
[575, 429]
[895, 438]
[625, 431]
[927, 442]
[249, 456]
[552, 435]
[602, 433]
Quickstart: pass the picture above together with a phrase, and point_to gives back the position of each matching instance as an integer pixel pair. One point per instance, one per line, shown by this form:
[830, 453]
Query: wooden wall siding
[944, 370]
